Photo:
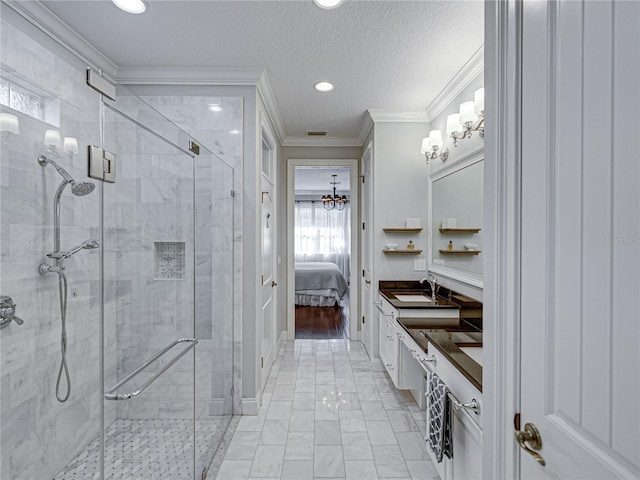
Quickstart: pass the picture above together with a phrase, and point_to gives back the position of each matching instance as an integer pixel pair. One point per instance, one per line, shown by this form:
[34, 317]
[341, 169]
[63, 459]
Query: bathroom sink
[412, 297]
[475, 352]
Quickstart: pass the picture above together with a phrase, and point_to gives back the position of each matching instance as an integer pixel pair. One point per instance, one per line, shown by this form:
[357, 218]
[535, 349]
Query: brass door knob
[530, 435]
[273, 284]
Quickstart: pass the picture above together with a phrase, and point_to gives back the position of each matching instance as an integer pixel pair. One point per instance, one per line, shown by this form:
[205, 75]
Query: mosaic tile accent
[170, 264]
[148, 449]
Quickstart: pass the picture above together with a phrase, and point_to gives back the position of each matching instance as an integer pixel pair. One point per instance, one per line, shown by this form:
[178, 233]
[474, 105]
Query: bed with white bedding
[319, 284]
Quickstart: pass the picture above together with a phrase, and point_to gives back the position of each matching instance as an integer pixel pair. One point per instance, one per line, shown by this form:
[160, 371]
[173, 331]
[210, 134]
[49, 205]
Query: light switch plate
[419, 265]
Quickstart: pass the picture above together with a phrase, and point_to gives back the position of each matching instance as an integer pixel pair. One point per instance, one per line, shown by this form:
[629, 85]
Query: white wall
[400, 191]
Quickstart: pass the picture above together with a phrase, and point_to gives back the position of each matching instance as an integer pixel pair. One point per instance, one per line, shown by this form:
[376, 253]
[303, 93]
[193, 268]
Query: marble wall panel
[39, 435]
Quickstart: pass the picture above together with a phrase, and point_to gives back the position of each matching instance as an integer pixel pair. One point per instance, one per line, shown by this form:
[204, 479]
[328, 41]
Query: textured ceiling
[318, 179]
[395, 55]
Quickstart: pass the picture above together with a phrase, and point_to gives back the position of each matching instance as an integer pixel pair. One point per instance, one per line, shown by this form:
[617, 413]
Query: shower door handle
[8, 312]
[111, 395]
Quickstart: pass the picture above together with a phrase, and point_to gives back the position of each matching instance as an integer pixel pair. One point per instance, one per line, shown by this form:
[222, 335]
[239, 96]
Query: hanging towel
[439, 406]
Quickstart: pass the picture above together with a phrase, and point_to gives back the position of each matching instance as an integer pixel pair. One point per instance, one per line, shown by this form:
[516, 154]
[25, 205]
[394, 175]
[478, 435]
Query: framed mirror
[455, 220]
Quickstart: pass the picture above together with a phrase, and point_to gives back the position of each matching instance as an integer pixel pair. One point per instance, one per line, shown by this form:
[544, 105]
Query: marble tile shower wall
[151, 202]
[218, 311]
[39, 434]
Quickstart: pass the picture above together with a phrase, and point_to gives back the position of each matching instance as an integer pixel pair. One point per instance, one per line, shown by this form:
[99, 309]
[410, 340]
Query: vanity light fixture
[463, 124]
[328, 4]
[70, 145]
[9, 123]
[336, 202]
[323, 87]
[131, 6]
[52, 141]
[431, 145]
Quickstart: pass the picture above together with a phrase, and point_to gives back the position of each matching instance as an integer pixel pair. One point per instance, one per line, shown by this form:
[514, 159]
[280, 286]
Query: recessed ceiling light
[323, 86]
[131, 6]
[215, 107]
[328, 3]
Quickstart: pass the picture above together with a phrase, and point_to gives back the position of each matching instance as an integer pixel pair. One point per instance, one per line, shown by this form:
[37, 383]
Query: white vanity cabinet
[403, 370]
[467, 425]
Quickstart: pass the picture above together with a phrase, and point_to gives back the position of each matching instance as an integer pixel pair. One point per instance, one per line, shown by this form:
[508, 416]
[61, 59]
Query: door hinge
[233, 193]
[101, 84]
[363, 319]
[363, 225]
[102, 164]
[516, 421]
[194, 147]
[261, 362]
[362, 177]
[261, 279]
[363, 273]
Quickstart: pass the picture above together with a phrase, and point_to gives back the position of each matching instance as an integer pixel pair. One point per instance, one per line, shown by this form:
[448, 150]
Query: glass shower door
[148, 297]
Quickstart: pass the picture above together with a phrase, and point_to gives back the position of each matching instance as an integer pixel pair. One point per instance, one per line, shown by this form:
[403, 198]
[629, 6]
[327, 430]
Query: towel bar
[126, 396]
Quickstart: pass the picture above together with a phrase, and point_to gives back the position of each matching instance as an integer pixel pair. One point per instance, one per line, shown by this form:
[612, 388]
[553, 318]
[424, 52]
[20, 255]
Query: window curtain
[323, 235]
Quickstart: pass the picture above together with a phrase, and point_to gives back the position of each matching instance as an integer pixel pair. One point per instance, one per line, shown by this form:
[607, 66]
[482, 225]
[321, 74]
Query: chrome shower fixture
[79, 189]
[86, 245]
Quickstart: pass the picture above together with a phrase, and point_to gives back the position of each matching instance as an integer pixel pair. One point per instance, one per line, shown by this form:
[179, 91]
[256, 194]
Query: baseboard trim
[250, 406]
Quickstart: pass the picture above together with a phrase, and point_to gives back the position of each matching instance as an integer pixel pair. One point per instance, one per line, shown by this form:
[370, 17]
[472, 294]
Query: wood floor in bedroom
[322, 322]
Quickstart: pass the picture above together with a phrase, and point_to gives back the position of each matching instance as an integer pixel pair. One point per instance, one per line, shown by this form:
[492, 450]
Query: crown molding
[271, 106]
[51, 25]
[189, 76]
[398, 116]
[322, 142]
[367, 126]
[462, 79]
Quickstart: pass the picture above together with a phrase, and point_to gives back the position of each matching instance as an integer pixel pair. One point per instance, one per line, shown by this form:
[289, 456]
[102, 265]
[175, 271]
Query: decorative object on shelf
[462, 125]
[402, 230]
[413, 223]
[411, 246]
[471, 246]
[450, 246]
[336, 202]
[449, 223]
[431, 145]
[390, 246]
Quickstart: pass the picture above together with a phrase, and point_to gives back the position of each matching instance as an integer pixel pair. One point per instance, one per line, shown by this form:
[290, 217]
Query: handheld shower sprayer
[79, 189]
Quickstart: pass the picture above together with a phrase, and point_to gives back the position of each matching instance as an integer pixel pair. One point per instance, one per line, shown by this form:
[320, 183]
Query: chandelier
[336, 202]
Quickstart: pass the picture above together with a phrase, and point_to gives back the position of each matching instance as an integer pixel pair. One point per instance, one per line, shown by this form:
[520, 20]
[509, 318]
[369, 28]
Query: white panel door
[580, 238]
[369, 328]
[268, 326]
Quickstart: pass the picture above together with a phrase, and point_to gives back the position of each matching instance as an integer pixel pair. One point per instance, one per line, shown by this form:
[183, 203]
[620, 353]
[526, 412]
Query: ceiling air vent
[316, 133]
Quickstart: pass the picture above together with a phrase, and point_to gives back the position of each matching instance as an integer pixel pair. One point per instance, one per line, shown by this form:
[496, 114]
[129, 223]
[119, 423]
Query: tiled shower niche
[169, 261]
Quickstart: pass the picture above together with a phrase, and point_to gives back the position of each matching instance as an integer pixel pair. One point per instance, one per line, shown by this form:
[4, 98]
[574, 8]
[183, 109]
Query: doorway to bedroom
[322, 218]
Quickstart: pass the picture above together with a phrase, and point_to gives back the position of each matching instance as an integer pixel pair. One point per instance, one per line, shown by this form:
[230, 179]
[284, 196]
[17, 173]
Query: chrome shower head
[79, 189]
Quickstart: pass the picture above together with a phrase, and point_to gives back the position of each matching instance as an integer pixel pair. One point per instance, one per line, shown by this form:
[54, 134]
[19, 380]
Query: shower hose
[62, 288]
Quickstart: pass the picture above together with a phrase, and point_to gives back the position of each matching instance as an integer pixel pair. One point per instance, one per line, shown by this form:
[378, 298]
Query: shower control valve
[8, 312]
[45, 268]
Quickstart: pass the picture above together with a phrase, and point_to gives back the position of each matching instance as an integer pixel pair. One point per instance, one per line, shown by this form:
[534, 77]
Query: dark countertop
[446, 340]
[448, 343]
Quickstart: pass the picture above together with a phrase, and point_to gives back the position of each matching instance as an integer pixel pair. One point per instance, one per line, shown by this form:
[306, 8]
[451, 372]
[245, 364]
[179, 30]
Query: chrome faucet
[433, 284]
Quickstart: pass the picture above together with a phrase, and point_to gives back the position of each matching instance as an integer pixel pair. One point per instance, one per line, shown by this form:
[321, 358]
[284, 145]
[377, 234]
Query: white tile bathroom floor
[329, 413]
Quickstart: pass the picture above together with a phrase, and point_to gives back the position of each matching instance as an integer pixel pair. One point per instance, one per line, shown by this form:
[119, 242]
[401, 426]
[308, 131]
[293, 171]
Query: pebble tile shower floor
[148, 450]
[328, 412]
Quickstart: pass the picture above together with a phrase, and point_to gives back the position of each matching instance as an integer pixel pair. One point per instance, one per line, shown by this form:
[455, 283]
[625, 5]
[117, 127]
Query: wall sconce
[462, 125]
[52, 141]
[70, 145]
[431, 145]
[9, 125]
